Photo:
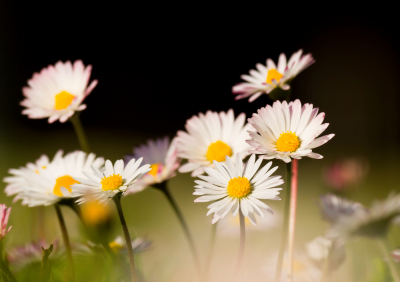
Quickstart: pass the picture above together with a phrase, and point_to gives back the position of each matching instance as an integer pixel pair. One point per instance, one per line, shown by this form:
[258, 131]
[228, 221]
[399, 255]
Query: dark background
[157, 65]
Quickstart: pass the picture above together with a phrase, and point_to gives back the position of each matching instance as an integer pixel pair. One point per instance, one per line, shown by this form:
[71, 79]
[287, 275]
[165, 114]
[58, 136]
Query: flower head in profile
[212, 137]
[269, 77]
[372, 223]
[139, 245]
[288, 131]
[51, 184]
[333, 207]
[19, 179]
[57, 91]
[163, 157]
[238, 187]
[104, 185]
[4, 216]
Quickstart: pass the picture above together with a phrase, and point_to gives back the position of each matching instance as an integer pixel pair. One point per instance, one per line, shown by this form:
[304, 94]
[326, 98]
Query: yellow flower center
[218, 151]
[65, 181]
[116, 247]
[288, 142]
[154, 169]
[112, 182]
[239, 187]
[94, 213]
[273, 74]
[63, 100]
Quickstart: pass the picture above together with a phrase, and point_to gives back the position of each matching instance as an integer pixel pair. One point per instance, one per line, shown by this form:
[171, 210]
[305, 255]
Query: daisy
[162, 156]
[212, 137]
[22, 256]
[139, 245]
[286, 131]
[332, 207]
[318, 249]
[57, 91]
[18, 182]
[52, 184]
[104, 185]
[238, 187]
[4, 216]
[269, 77]
[371, 223]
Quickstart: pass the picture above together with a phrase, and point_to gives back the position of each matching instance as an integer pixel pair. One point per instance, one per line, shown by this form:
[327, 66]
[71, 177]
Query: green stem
[241, 245]
[210, 251]
[163, 188]
[64, 233]
[117, 200]
[285, 223]
[76, 122]
[4, 267]
[384, 246]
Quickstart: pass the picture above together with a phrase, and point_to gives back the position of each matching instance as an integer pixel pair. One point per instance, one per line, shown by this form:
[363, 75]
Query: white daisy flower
[238, 187]
[332, 207]
[57, 91]
[269, 77]
[286, 131]
[18, 182]
[104, 185]
[164, 161]
[52, 184]
[372, 223]
[212, 137]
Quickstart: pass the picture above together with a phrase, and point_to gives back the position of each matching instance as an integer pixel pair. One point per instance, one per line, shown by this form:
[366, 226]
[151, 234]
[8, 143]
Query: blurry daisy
[57, 91]
[212, 137]
[371, 223]
[104, 185]
[303, 269]
[238, 187]
[345, 173]
[269, 77]
[139, 245]
[162, 156]
[4, 216]
[21, 256]
[332, 207]
[286, 131]
[18, 182]
[318, 249]
[52, 184]
[396, 255]
[229, 225]
[95, 214]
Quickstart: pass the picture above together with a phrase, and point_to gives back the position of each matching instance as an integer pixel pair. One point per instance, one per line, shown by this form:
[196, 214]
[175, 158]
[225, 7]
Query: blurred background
[160, 64]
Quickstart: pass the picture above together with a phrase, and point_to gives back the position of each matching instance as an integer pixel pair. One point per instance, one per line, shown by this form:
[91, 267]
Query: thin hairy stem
[76, 122]
[285, 223]
[117, 200]
[68, 251]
